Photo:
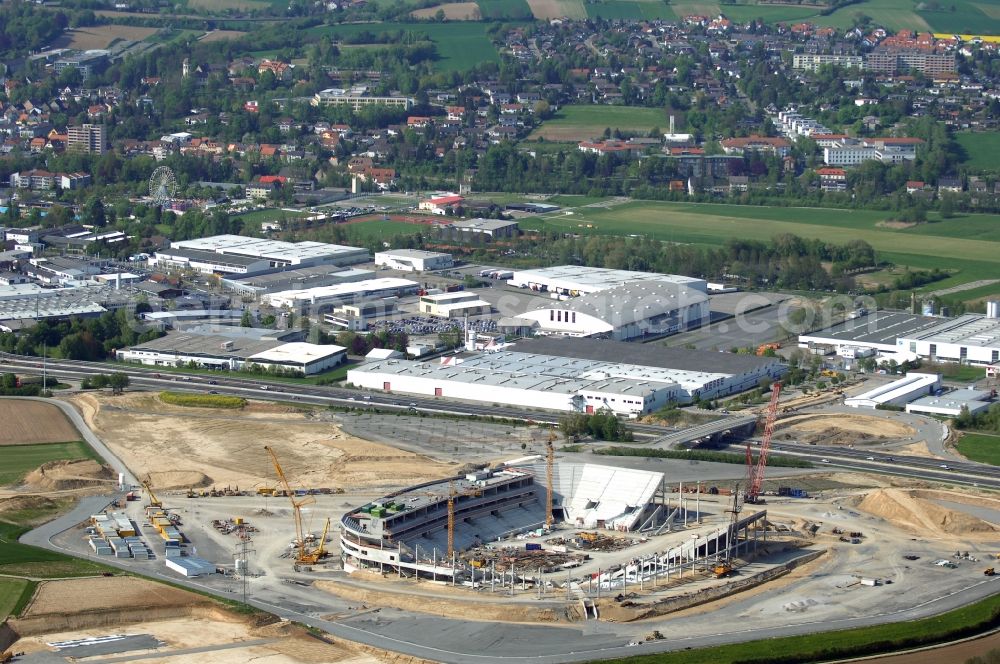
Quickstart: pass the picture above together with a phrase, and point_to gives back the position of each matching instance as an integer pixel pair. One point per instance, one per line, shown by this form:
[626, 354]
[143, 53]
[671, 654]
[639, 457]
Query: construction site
[284, 508]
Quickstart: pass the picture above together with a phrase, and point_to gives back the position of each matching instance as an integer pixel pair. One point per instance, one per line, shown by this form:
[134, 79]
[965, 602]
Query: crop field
[10, 594]
[505, 9]
[968, 16]
[453, 11]
[629, 9]
[975, 257]
[582, 122]
[546, 9]
[458, 44]
[221, 35]
[102, 36]
[26, 422]
[981, 149]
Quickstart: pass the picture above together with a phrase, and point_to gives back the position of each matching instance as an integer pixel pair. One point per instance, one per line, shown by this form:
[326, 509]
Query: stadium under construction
[476, 528]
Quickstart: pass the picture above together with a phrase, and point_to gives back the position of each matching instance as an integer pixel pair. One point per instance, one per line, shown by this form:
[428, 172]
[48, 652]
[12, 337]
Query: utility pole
[242, 555]
[43, 366]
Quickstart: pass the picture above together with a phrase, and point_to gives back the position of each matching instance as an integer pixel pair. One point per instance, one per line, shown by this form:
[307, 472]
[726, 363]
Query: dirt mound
[916, 511]
[179, 479]
[18, 503]
[840, 429]
[62, 475]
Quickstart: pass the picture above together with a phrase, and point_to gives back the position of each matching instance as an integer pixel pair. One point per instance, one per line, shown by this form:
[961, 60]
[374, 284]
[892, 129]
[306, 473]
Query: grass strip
[202, 400]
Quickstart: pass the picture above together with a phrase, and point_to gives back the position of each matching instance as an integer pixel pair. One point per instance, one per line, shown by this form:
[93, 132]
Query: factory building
[897, 393]
[232, 351]
[236, 254]
[413, 260]
[329, 297]
[878, 331]
[635, 309]
[576, 280]
[581, 375]
[952, 403]
[454, 305]
[300, 278]
[968, 339]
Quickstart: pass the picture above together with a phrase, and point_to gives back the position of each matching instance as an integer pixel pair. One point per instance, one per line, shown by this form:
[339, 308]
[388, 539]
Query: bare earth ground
[29, 422]
[455, 11]
[182, 447]
[101, 36]
[840, 429]
[914, 510]
[105, 593]
[221, 35]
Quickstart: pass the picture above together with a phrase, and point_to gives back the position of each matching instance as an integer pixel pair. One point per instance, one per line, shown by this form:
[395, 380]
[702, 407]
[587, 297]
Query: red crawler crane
[755, 472]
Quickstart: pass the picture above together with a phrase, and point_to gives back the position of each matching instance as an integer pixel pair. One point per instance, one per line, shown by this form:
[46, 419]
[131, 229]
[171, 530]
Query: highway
[456, 640]
[958, 472]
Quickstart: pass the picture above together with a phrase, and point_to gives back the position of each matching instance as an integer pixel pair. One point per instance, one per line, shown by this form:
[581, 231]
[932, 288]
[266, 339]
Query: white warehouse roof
[578, 279]
[348, 290]
[290, 252]
[297, 353]
[633, 301]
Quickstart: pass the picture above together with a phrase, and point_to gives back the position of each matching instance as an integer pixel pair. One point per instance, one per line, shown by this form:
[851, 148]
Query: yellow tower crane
[550, 460]
[304, 554]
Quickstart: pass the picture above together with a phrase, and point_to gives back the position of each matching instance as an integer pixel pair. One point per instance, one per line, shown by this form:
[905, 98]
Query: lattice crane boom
[550, 460]
[297, 505]
[755, 471]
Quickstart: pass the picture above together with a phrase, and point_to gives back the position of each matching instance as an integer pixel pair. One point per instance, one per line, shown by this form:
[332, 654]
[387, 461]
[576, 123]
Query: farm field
[10, 592]
[221, 35]
[458, 44]
[713, 224]
[453, 11]
[968, 17]
[584, 122]
[627, 9]
[224, 5]
[362, 231]
[981, 149]
[26, 422]
[546, 9]
[102, 36]
[505, 9]
[16, 461]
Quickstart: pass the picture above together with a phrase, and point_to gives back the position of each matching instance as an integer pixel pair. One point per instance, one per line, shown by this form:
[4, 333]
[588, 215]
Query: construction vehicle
[550, 459]
[763, 348]
[990, 571]
[320, 552]
[304, 553]
[724, 567]
[154, 502]
[755, 471]
[828, 373]
[265, 491]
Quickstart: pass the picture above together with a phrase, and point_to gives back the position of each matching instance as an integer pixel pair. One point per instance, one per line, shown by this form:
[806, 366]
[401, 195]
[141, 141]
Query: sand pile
[840, 429]
[916, 511]
[179, 479]
[62, 475]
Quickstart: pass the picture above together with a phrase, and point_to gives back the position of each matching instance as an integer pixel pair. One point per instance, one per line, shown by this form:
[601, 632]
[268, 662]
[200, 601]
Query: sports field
[458, 44]
[586, 122]
[981, 149]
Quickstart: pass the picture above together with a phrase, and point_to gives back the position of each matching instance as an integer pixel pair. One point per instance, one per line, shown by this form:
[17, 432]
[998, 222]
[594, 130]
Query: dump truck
[990, 571]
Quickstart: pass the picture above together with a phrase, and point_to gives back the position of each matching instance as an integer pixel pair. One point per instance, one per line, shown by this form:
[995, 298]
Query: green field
[11, 591]
[362, 231]
[968, 17]
[580, 122]
[16, 461]
[981, 150]
[459, 44]
[504, 9]
[270, 214]
[981, 447]
[640, 10]
[21, 560]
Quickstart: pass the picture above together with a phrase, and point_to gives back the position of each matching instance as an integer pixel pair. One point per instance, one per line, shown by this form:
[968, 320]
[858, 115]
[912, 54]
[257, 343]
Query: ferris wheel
[162, 186]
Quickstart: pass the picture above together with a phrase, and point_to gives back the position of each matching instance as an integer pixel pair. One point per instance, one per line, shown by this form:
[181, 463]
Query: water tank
[928, 308]
[992, 309]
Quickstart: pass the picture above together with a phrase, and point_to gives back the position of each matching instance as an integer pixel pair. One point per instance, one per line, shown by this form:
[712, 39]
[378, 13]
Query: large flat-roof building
[413, 260]
[875, 330]
[234, 352]
[358, 98]
[454, 305]
[574, 280]
[575, 375]
[953, 403]
[325, 298]
[968, 339]
[246, 256]
[898, 392]
[293, 279]
[635, 309]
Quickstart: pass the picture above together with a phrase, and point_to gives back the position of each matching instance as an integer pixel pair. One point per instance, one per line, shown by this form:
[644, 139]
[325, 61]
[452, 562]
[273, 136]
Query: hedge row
[202, 400]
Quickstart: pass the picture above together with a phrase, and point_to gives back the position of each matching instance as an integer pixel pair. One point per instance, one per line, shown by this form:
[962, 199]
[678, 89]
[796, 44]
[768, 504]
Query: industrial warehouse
[579, 375]
[231, 350]
[235, 254]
